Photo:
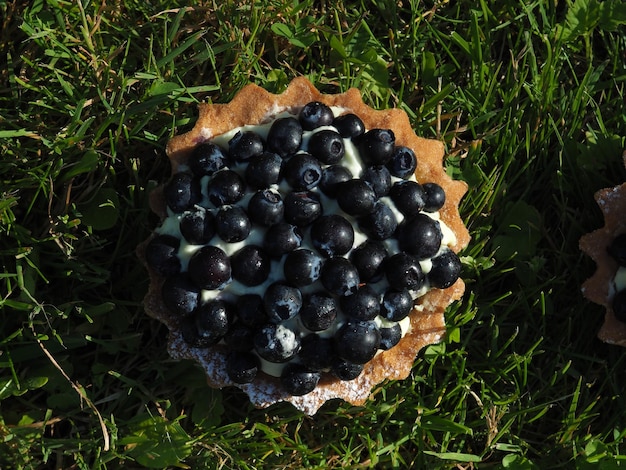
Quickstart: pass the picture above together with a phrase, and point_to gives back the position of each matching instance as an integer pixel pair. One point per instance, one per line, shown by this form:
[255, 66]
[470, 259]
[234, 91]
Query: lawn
[528, 98]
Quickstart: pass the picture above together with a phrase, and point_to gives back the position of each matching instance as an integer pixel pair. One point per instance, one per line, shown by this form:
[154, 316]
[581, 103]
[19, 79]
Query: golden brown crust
[612, 203]
[427, 319]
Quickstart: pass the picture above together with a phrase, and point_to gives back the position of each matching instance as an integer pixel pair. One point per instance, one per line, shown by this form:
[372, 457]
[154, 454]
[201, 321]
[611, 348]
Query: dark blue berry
[298, 380]
[379, 178]
[239, 337]
[357, 341]
[408, 197]
[345, 370]
[282, 302]
[302, 171]
[445, 270]
[316, 353]
[242, 367]
[162, 254]
[349, 125]
[396, 304]
[250, 265]
[226, 187]
[232, 224]
[403, 162]
[266, 207]
[327, 146]
[264, 170]
[249, 309]
[404, 271]
[180, 295]
[364, 304]
[379, 224]
[339, 276]
[617, 249]
[368, 259]
[182, 192]
[207, 158]
[332, 235]
[245, 145]
[209, 268]
[282, 238]
[302, 208]
[376, 146]
[331, 176]
[420, 236]
[302, 267]
[390, 336]
[285, 136]
[212, 321]
[314, 115]
[434, 197]
[276, 343]
[318, 312]
[197, 227]
[356, 197]
[618, 305]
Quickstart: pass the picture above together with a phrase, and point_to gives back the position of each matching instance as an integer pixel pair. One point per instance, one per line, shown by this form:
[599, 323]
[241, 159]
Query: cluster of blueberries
[278, 186]
[617, 250]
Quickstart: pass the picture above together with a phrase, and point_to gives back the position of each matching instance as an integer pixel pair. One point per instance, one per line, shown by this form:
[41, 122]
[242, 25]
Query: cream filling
[352, 161]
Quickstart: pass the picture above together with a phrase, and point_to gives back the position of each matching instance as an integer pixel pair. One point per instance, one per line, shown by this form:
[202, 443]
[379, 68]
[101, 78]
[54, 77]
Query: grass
[529, 98]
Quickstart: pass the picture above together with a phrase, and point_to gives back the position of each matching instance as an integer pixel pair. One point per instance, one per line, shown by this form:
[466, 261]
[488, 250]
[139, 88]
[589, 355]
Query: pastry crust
[254, 105]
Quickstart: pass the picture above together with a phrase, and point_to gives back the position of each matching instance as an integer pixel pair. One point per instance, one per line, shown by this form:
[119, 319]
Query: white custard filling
[352, 161]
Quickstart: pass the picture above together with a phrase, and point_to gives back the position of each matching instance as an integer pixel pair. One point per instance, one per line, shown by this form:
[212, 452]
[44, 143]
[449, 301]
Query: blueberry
[445, 270]
[435, 197]
[368, 259]
[379, 224]
[282, 238]
[226, 187]
[404, 271]
[345, 370]
[318, 311]
[298, 379]
[197, 227]
[285, 136]
[617, 249]
[266, 207]
[250, 265]
[327, 146]
[302, 207]
[420, 236]
[207, 158]
[356, 197]
[212, 321]
[209, 268]
[182, 192]
[302, 171]
[180, 295]
[408, 197]
[315, 114]
[619, 305]
[364, 304]
[396, 304]
[357, 341]
[390, 336]
[349, 125]
[332, 235]
[276, 343]
[245, 145]
[162, 254]
[263, 170]
[282, 302]
[302, 267]
[242, 367]
[331, 176]
[232, 224]
[403, 162]
[316, 352]
[239, 337]
[249, 309]
[379, 178]
[339, 276]
[376, 146]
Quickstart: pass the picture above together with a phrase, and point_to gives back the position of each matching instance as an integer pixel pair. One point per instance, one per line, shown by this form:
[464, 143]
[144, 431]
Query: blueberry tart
[307, 245]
